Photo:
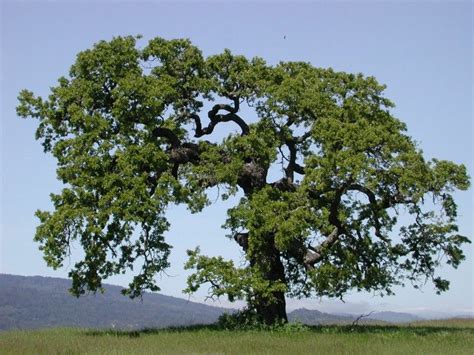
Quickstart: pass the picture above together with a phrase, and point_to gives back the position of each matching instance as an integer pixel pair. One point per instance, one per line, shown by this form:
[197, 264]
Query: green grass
[435, 337]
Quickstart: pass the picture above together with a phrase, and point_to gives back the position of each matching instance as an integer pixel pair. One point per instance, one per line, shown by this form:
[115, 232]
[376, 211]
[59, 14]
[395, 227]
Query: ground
[434, 337]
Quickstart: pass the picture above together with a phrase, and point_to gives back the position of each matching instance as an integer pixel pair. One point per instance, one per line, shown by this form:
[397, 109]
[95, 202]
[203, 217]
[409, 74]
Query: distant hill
[314, 317]
[37, 302]
[429, 314]
[395, 317]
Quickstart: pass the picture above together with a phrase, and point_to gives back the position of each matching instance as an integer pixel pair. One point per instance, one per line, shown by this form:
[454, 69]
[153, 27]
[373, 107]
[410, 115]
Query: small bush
[249, 320]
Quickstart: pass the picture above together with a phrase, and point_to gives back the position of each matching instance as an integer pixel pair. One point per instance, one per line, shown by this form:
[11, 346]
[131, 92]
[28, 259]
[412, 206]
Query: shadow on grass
[137, 333]
[319, 329]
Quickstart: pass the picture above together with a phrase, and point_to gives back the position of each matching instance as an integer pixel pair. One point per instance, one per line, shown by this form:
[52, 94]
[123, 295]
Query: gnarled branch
[216, 118]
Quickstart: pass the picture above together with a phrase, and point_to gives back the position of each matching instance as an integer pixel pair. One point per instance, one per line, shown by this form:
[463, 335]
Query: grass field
[434, 337]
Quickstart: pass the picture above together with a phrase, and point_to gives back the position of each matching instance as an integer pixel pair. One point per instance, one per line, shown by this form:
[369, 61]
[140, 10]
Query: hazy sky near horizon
[421, 50]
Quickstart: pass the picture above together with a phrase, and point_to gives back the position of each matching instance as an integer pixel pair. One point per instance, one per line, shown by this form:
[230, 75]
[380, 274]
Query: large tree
[322, 168]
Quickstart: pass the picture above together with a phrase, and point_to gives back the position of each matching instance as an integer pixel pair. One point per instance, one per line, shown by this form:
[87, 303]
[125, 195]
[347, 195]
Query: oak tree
[322, 168]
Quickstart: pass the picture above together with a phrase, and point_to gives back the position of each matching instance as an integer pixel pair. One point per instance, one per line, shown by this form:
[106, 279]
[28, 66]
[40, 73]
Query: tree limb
[179, 153]
[284, 184]
[315, 254]
[216, 118]
[356, 321]
[292, 166]
[374, 206]
[243, 240]
[302, 138]
[167, 133]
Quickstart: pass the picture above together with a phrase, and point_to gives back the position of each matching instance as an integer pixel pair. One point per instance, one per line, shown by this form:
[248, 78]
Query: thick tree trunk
[271, 309]
[266, 257]
[272, 313]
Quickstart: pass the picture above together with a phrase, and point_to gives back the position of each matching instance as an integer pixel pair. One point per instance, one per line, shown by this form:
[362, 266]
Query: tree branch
[180, 153]
[167, 133]
[315, 254]
[302, 138]
[216, 118]
[356, 321]
[284, 185]
[226, 107]
[292, 166]
[292, 142]
[333, 219]
[374, 205]
[243, 240]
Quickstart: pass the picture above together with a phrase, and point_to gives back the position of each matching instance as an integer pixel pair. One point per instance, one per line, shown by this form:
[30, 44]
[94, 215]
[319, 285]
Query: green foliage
[226, 279]
[120, 126]
[249, 320]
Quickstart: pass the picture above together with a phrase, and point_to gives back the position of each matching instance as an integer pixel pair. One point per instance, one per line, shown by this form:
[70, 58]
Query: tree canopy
[132, 131]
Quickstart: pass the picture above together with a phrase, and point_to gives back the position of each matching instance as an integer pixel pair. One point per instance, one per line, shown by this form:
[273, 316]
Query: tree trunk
[266, 257]
[271, 310]
[272, 313]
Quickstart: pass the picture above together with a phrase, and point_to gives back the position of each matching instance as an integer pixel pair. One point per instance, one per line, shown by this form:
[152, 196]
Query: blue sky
[421, 50]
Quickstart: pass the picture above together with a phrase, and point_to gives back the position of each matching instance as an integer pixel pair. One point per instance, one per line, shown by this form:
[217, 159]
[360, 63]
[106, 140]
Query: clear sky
[421, 50]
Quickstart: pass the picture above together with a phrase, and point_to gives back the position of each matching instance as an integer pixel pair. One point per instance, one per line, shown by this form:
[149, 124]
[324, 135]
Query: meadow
[454, 336]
